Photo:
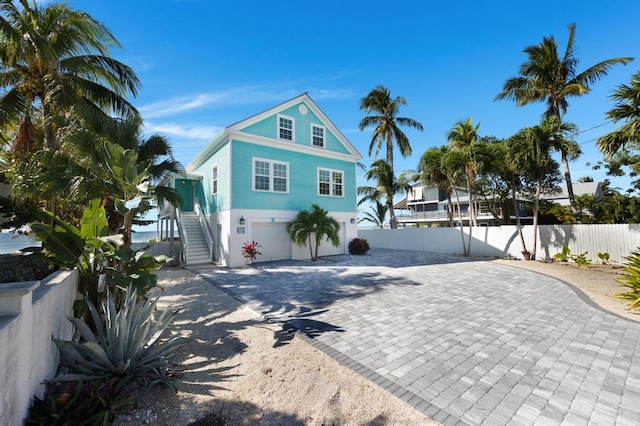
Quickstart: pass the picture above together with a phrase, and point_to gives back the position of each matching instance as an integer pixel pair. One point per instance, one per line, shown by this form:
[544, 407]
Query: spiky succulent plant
[127, 343]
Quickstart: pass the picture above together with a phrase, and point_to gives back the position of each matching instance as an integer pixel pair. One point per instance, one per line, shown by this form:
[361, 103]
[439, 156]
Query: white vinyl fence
[504, 241]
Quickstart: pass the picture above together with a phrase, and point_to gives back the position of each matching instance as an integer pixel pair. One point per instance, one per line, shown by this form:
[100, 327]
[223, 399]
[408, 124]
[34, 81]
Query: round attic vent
[303, 109]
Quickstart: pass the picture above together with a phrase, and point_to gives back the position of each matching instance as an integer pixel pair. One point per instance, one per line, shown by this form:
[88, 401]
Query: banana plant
[103, 265]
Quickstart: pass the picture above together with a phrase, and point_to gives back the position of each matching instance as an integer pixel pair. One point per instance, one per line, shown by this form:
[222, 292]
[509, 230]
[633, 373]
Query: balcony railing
[440, 215]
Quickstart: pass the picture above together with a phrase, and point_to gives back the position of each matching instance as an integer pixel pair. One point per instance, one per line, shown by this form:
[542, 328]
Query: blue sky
[206, 64]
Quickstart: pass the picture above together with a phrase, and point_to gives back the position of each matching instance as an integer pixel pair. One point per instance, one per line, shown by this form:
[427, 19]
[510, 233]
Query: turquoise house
[254, 177]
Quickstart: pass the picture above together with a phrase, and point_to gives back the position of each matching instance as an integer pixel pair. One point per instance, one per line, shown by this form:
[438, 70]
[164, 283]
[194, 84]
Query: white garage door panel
[327, 249]
[274, 241]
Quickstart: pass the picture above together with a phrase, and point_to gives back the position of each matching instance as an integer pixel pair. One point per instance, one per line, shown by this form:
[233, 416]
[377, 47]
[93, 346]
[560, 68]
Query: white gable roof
[235, 129]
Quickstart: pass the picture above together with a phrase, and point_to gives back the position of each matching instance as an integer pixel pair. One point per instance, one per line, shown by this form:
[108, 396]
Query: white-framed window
[271, 176]
[286, 128]
[317, 135]
[330, 182]
[214, 180]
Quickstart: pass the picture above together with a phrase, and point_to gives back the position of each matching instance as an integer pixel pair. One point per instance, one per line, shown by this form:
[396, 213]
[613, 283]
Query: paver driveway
[465, 342]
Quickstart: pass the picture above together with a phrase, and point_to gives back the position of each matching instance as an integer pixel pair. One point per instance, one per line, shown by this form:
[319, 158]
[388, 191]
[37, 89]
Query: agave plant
[126, 343]
[631, 280]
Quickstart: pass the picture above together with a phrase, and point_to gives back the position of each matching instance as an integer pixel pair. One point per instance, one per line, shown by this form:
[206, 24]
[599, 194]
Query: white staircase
[195, 248]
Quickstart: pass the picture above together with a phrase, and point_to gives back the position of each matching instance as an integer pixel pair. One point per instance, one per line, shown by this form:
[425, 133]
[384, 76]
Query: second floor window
[272, 176]
[317, 136]
[285, 128]
[214, 180]
[330, 182]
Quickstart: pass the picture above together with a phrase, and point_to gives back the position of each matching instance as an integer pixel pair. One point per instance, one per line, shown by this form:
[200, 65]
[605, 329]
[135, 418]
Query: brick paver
[465, 342]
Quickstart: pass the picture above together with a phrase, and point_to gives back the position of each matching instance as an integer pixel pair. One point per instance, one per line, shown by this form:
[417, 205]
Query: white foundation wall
[31, 313]
[234, 233]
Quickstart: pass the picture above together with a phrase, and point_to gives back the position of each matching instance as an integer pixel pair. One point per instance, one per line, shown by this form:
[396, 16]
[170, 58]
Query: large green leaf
[94, 221]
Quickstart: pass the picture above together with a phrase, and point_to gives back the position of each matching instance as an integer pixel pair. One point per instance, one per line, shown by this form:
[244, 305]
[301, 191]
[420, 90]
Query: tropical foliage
[550, 76]
[104, 266]
[126, 343]
[387, 185]
[625, 141]
[377, 214]
[310, 227]
[631, 280]
[383, 113]
[54, 58]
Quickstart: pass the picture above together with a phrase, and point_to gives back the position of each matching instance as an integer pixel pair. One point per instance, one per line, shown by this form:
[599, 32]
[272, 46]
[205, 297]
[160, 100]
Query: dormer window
[286, 128]
[317, 136]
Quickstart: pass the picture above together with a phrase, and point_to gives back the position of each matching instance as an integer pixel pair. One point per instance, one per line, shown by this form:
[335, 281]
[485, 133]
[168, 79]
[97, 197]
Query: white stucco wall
[234, 234]
[31, 313]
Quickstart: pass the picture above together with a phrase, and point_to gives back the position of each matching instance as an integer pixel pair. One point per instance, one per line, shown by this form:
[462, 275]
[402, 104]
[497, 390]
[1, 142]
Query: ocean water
[10, 243]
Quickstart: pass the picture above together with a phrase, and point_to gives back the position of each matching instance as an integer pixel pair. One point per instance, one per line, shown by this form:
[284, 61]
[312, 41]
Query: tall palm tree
[377, 214]
[463, 137]
[311, 226]
[548, 77]
[54, 57]
[382, 113]
[387, 185]
[627, 109]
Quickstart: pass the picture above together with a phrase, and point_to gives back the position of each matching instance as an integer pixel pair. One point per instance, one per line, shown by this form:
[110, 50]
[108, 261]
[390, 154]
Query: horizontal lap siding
[222, 201]
[269, 127]
[302, 180]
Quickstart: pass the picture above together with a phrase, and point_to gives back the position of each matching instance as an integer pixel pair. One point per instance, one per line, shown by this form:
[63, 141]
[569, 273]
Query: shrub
[80, 402]
[358, 246]
[564, 255]
[631, 280]
[126, 344]
[604, 257]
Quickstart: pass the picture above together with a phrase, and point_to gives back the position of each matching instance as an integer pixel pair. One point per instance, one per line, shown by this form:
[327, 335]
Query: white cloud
[183, 131]
[236, 96]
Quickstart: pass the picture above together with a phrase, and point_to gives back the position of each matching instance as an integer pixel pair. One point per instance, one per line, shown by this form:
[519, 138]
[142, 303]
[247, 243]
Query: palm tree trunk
[536, 206]
[46, 125]
[450, 207]
[311, 248]
[464, 246]
[567, 178]
[392, 214]
[517, 213]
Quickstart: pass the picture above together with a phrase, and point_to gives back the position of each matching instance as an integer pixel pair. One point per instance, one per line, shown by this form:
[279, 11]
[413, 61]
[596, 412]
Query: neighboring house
[254, 177]
[579, 188]
[428, 205]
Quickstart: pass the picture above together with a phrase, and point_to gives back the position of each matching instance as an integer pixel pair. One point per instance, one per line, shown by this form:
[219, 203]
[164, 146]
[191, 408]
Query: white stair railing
[207, 231]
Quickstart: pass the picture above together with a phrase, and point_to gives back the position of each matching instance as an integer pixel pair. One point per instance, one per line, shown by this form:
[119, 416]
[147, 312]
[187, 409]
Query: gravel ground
[239, 370]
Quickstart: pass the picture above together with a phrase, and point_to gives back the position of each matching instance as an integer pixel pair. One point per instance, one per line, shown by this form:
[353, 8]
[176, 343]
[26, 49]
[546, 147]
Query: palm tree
[627, 109]
[54, 57]
[383, 115]
[547, 77]
[377, 215]
[387, 185]
[463, 137]
[530, 155]
[432, 172]
[310, 226]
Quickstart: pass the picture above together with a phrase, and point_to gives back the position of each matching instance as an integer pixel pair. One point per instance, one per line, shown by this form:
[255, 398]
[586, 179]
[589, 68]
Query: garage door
[274, 240]
[327, 249]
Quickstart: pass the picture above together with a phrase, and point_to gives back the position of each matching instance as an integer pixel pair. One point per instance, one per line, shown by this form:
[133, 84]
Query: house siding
[222, 201]
[303, 189]
[268, 128]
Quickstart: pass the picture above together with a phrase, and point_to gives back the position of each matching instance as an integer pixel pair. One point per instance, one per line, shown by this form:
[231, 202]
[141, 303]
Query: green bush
[87, 403]
[358, 246]
[564, 255]
[631, 280]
